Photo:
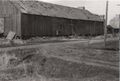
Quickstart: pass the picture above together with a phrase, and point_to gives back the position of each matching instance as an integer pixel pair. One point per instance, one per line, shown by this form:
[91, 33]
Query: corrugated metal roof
[48, 9]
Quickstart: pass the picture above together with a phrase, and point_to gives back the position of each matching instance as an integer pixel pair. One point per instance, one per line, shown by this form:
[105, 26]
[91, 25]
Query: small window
[1, 25]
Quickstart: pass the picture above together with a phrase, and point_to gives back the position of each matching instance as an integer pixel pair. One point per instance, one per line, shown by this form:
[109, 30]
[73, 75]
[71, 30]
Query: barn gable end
[11, 15]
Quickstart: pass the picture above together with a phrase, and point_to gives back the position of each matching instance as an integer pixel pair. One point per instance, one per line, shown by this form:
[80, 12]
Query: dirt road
[38, 45]
[67, 59]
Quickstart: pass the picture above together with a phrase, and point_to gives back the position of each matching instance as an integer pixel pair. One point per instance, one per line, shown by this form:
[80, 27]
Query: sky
[95, 6]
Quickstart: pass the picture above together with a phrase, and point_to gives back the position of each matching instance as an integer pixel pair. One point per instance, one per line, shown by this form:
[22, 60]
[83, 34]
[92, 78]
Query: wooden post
[105, 28]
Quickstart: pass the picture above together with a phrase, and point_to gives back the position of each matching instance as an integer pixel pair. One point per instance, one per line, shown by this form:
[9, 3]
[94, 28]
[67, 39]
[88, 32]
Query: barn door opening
[1, 25]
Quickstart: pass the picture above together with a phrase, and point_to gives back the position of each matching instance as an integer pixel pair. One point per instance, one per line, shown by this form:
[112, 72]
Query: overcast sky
[95, 6]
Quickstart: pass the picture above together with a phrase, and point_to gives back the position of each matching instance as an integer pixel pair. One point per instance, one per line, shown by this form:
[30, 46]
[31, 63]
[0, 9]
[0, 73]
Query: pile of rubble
[9, 40]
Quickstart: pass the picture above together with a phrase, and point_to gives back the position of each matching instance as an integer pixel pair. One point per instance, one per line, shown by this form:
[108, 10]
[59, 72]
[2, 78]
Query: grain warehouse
[36, 18]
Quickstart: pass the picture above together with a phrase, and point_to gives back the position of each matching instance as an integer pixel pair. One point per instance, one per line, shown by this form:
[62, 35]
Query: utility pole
[119, 30]
[105, 28]
[119, 41]
[119, 33]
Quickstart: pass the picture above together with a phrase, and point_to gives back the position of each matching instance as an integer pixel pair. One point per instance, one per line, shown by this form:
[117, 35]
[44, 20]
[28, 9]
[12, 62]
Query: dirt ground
[63, 61]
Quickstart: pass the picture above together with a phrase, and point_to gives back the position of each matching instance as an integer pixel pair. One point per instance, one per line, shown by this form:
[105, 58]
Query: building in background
[115, 22]
[114, 25]
[34, 18]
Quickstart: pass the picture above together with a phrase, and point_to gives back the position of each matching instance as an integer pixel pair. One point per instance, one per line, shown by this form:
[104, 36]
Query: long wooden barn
[35, 18]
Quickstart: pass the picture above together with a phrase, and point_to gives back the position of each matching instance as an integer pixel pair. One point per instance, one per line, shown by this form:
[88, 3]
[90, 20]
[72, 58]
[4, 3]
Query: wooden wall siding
[1, 9]
[63, 26]
[36, 25]
[88, 27]
[12, 17]
[33, 25]
[78, 27]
